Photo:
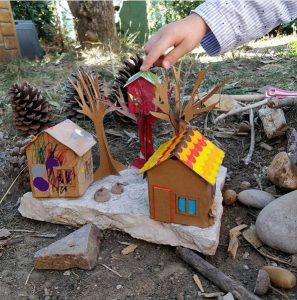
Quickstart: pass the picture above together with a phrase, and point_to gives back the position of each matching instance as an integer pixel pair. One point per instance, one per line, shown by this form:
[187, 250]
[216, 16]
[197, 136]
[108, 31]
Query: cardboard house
[141, 92]
[60, 161]
[181, 179]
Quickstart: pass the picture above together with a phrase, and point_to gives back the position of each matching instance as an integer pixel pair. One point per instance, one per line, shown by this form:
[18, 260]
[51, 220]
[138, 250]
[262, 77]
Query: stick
[110, 269]
[215, 275]
[240, 110]
[12, 184]
[247, 98]
[28, 277]
[248, 159]
[275, 102]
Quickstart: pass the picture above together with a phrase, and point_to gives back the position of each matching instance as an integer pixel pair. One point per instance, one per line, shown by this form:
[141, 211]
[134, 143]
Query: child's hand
[183, 35]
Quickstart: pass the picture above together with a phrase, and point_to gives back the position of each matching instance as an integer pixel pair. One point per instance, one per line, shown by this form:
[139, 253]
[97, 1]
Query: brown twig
[12, 184]
[110, 269]
[252, 144]
[240, 110]
[28, 277]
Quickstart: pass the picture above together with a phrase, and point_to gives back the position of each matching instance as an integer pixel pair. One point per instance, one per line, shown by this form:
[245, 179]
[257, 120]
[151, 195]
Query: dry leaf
[198, 283]
[212, 295]
[129, 249]
[233, 244]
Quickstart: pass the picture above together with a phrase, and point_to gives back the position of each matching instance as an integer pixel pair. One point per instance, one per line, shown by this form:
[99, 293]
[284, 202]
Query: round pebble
[276, 225]
[255, 198]
[229, 197]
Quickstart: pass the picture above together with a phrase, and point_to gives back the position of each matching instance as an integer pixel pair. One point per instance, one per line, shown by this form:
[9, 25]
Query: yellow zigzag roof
[193, 150]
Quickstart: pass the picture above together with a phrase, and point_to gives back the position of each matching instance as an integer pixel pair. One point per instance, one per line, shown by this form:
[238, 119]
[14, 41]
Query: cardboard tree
[175, 111]
[141, 91]
[95, 105]
[182, 172]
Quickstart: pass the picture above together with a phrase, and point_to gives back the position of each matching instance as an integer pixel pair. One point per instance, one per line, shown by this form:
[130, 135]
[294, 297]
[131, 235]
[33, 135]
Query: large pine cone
[71, 106]
[31, 112]
[129, 68]
[18, 161]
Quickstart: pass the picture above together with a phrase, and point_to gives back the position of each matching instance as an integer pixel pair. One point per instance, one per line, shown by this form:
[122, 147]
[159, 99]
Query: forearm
[233, 23]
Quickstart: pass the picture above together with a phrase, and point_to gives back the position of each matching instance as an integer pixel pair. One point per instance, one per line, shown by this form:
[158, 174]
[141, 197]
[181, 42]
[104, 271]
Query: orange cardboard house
[181, 179]
[60, 161]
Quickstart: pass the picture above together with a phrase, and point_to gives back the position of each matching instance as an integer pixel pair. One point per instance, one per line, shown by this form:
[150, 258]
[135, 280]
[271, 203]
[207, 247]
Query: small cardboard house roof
[70, 135]
[193, 150]
[147, 75]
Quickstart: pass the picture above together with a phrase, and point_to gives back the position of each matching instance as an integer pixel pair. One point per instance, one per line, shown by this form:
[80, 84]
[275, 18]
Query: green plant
[42, 13]
[165, 11]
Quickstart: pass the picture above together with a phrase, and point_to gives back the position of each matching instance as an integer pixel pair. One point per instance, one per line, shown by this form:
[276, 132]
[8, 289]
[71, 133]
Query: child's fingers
[154, 53]
[151, 42]
[174, 55]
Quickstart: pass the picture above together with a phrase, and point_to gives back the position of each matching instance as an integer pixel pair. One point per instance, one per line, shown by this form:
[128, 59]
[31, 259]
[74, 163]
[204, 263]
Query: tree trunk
[94, 23]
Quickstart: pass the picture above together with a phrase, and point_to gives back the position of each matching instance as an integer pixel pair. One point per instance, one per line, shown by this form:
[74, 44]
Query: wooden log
[216, 276]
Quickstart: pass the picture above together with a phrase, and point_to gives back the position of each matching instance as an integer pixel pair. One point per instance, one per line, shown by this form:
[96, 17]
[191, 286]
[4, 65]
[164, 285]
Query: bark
[94, 23]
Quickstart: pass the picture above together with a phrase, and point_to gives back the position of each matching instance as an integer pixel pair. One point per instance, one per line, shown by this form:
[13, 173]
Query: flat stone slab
[79, 249]
[128, 212]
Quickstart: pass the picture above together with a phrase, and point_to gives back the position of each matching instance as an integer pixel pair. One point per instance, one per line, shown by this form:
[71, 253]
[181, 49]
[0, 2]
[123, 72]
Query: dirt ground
[151, 271]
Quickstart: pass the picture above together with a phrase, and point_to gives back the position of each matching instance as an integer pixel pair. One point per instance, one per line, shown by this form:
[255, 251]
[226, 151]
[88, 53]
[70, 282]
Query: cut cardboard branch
[94, 104]
[174, 112]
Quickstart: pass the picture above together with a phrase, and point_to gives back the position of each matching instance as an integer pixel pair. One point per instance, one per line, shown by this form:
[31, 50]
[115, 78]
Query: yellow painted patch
[192, 149]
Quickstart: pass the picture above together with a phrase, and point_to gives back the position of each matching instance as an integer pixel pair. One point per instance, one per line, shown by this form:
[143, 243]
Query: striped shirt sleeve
[233, 23]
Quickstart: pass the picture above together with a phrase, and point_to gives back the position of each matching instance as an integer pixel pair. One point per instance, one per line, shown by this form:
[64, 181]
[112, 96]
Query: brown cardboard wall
[9, 47]
[178, 180]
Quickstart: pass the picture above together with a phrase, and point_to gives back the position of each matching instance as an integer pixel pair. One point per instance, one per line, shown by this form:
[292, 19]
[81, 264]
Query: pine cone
[130, 67]
[18, 161]
[30, 109]
[71, 106]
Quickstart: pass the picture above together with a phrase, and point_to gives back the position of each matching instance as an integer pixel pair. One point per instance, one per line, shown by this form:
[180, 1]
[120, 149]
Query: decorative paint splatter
[51, 162]
[40, 184]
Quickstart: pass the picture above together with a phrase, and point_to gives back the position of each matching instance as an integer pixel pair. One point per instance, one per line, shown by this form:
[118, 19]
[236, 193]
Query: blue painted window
[192, 207]
[182, 204]
[187, 206]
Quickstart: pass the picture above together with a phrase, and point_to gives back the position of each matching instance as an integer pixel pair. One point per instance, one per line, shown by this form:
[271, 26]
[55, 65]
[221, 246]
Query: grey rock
[4, 233]
[255, 198]
[276, 225]
[79, 249]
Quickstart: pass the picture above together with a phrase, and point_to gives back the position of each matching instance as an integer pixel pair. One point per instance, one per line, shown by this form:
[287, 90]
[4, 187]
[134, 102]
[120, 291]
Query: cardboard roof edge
[149, 76]
[70, 135]
[193, 150]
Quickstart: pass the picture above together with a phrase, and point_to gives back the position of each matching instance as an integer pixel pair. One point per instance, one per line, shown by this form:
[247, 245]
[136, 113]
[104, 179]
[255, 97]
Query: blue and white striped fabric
[233, 23]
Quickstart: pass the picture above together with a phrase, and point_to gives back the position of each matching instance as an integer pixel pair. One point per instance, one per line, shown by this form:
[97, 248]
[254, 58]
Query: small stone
[102, 195]
[274, 121]
[244, 185]
[4, 233]
[246, 267]
[266, 146]
[255, 198]
[281, 173]
[67, 273]
[117, 188]
[245, 255]
[180, 296]
[79, 249]
[118, 287]
[228, 296]
[276, 225]
[229, 197]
